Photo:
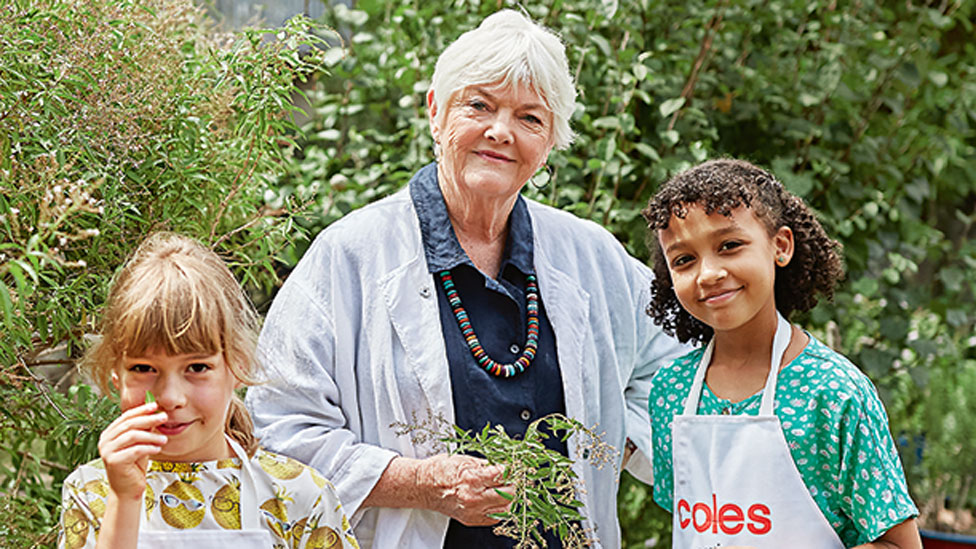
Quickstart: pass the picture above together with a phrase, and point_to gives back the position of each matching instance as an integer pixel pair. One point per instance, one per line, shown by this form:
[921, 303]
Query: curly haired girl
[764, 437]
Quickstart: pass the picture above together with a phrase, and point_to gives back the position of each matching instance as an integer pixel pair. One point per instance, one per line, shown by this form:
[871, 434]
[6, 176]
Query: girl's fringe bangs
[173, 318]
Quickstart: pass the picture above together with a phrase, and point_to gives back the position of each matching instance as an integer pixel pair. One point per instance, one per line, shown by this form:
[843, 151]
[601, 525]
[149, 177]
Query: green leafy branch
[543, 487]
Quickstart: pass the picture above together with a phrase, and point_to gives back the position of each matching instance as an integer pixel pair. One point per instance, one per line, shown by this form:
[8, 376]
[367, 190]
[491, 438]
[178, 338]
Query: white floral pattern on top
[834, 424]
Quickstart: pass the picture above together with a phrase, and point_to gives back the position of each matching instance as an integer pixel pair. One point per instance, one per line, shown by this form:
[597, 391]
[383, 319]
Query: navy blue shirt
[497, 312]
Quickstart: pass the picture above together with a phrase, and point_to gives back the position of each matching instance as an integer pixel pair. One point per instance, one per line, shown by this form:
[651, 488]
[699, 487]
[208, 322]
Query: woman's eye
[680, 260]
[198, 367]
[533, 119]
[477, 105]
[141, 368]
[730, 245]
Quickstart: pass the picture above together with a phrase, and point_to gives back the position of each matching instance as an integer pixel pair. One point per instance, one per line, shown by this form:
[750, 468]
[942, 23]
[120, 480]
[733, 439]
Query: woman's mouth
[493, 156]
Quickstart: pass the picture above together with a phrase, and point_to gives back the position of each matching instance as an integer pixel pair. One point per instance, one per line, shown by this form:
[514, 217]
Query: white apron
[250, 536]
[735, 482]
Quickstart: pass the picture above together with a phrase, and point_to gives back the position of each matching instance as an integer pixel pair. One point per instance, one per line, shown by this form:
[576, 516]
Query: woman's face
[492, 139]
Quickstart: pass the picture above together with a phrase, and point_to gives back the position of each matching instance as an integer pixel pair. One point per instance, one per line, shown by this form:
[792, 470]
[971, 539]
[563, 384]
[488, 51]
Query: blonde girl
[181, 467]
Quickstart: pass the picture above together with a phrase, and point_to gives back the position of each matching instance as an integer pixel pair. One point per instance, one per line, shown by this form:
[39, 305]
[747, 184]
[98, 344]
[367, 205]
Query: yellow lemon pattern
[149, 500]
[275, 513]
[280, 467]
[226, 505]
[74, 529]
[182, 504]
[96, 492]
[298, 533]
[294, 503]
[324, 538]
[318, 479]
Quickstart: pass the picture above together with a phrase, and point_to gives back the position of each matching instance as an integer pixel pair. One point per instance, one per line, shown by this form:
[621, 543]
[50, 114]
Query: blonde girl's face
[723, 268]
[195, 391]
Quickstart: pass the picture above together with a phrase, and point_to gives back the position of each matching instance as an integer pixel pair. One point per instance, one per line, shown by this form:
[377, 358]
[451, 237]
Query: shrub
[117, 119]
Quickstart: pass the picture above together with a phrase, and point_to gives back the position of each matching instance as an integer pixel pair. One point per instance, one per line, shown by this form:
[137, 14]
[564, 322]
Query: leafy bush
[118, 119]
[866, 110]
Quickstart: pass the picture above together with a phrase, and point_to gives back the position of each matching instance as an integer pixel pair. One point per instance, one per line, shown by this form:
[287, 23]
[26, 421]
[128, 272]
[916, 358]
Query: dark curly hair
[722, 186]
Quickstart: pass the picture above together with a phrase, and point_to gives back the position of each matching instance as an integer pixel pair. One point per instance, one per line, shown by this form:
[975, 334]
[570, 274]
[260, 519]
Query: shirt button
[525, 415]
[425, 291]
[514, 349]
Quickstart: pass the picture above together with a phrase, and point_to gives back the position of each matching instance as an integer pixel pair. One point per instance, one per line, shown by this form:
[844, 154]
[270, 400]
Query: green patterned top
[836, 429]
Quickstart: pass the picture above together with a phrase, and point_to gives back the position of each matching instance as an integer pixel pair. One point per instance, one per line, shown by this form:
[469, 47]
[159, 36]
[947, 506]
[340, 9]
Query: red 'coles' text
[729, 518]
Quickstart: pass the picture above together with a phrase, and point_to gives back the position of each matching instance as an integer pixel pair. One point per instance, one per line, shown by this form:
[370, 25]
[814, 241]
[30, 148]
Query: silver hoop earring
[542, 177]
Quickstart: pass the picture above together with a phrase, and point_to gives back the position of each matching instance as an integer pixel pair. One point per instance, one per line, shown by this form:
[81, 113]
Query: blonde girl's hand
[125, 446]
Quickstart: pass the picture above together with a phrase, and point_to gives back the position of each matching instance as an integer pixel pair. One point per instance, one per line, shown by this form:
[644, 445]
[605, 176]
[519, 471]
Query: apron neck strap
[780, 342]
[249, 496]
[248, 492]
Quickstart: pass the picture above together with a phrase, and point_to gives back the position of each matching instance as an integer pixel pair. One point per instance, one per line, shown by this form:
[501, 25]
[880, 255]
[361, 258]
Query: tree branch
[710, 30]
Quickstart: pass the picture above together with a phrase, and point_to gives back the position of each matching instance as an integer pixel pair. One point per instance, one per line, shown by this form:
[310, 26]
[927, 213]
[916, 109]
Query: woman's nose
[500, 129]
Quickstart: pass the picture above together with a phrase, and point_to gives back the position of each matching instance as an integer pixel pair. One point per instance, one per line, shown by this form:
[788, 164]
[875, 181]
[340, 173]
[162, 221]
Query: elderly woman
[366, 332]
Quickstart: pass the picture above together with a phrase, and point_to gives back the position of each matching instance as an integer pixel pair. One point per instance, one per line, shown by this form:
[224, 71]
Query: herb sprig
[544, 488]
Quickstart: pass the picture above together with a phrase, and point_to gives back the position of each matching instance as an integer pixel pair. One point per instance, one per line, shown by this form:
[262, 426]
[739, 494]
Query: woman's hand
[461, 487]
[125, 446]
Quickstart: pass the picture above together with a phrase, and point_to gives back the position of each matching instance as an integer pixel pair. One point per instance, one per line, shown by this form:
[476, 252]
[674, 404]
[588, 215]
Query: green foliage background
[117, 119]
[866, 109]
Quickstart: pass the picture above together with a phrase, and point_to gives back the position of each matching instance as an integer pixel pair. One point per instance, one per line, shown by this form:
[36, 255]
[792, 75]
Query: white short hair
[508, 47]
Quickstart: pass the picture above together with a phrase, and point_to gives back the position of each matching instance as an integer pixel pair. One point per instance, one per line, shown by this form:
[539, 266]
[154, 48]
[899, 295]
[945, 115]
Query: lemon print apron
[735, 482]
[250, 536]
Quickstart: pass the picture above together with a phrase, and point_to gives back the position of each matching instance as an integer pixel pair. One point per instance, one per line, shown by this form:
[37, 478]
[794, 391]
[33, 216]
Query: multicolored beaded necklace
[532, 327]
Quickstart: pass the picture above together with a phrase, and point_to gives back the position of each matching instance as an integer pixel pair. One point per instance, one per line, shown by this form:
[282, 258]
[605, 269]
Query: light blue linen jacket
[353, 342]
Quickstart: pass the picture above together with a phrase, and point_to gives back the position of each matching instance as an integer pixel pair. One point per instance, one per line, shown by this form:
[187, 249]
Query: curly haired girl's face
[723, 268]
